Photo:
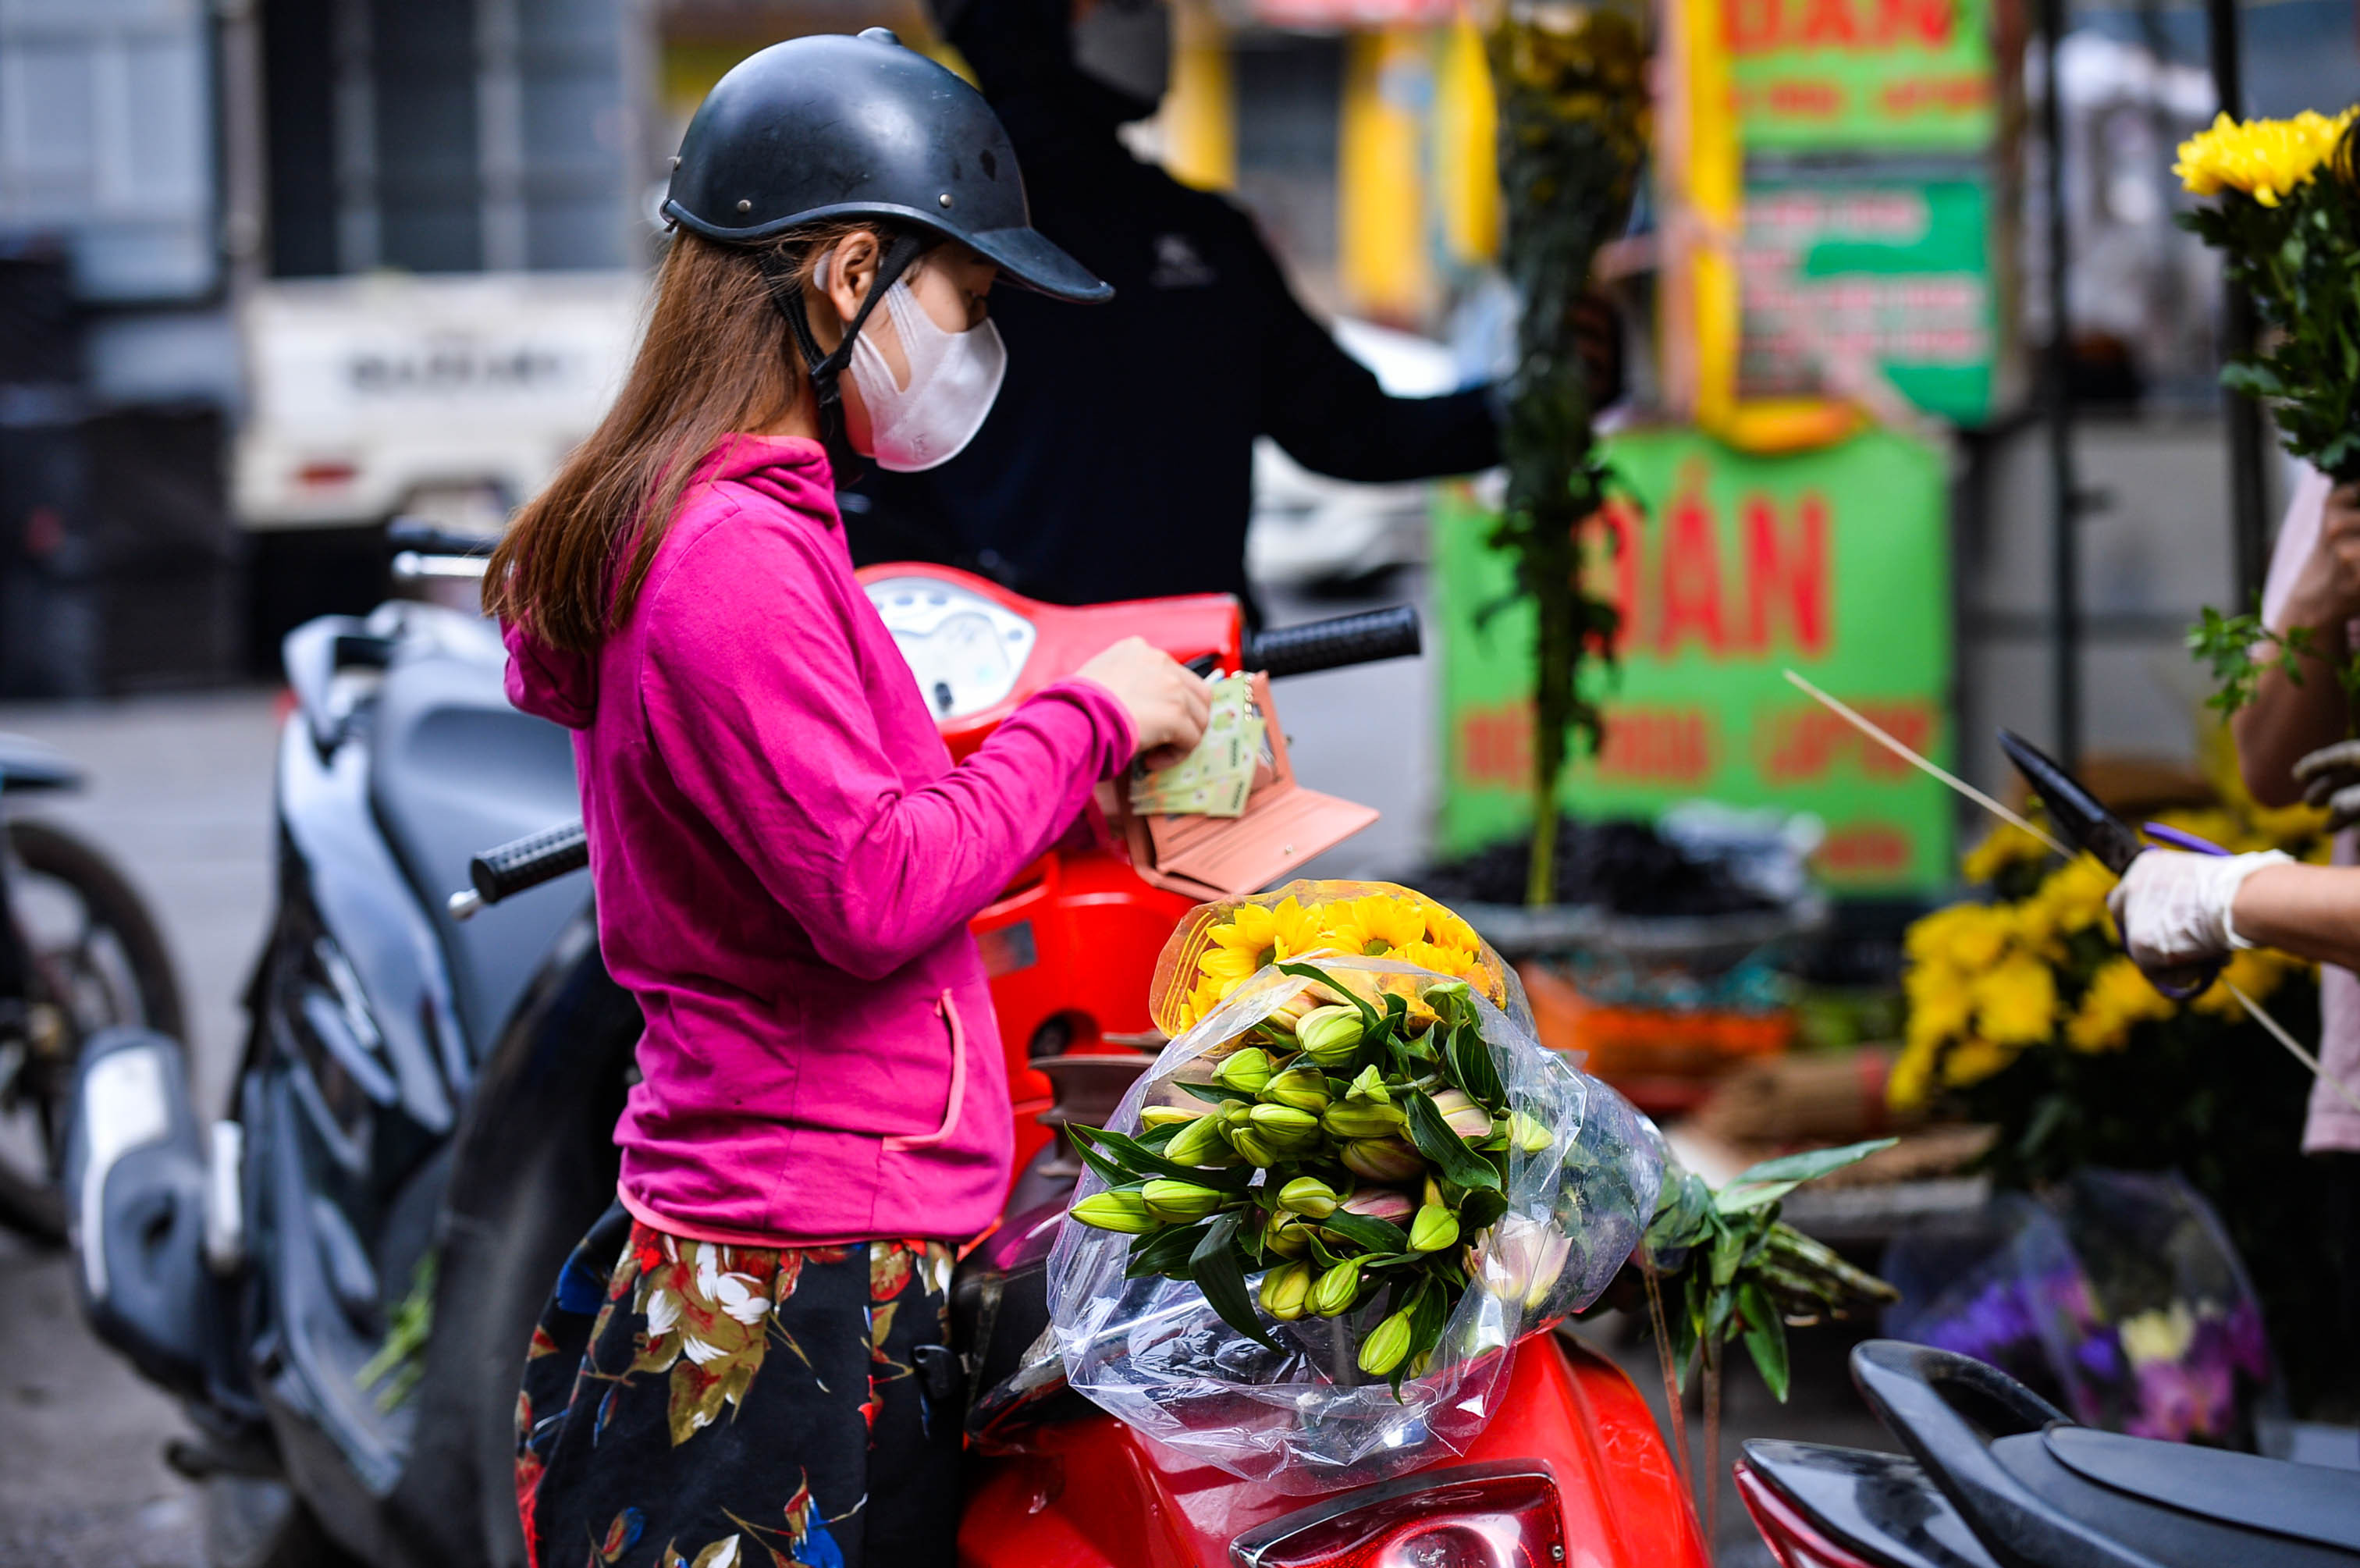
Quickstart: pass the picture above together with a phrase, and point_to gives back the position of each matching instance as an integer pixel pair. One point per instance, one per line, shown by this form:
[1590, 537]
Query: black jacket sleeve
[1328, 412]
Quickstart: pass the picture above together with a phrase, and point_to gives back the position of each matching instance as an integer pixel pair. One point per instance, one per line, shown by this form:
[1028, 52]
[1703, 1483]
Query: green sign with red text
[1880, 76]
[1733, 569]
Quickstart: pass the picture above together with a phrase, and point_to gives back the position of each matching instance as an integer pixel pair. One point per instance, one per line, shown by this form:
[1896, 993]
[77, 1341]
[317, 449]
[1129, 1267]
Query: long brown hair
[716, 359]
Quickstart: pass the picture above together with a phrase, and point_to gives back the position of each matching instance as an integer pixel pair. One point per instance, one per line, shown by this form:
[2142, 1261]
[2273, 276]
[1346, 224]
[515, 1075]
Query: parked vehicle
[79, 954]
[1997, 1477]
[422, 1129]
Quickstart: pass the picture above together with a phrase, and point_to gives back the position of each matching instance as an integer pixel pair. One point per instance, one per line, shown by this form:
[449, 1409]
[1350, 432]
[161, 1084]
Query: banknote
[1215, 779]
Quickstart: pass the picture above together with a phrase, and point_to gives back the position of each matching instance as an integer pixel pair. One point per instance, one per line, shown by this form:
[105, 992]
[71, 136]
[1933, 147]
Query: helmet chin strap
[826, 369]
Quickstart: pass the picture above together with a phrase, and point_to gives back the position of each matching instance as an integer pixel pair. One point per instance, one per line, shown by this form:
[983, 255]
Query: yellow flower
[2007, 845]
[1453, 962]
[2119, 997]
[1255, 936]
[2161, 1334]
[1972, 1061]
[2015, 1002]
[1374, 926]
[2265, 159]
[1965, 936]
[1448, 930]
[1939, 1006]
[1913, 1075]
[1210, 993]
[2073, 899]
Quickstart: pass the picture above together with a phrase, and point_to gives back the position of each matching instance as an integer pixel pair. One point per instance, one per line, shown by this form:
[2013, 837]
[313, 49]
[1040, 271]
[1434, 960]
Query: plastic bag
[1304, 1417]
[2119, 1298]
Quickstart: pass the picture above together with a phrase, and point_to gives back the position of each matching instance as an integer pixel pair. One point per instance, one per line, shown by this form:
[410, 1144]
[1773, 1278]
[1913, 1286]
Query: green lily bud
[1380, 1203]
[1307, 1196]
[1246, 1071]
[1285, 1235]
[1286, 1290]
[1338, 1289]
[1383, 1160]
[1168, 1115]
[1443, 990]
[1435, 1228]
[1466, 1118]
[1124, 1212]
[1433, 1193]
[1386, 1345]
[1235, 1113]
[1370, 1087]
[1178, 1202]
[1303, 1087]
[1199, 1143]
[1527, 1134]
[1330, 1035]
[1285, 1129]
[1360, 1119]
[1252, 1147]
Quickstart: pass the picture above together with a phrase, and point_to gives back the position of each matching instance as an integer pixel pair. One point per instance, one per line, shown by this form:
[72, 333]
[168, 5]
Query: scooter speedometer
[965, 651]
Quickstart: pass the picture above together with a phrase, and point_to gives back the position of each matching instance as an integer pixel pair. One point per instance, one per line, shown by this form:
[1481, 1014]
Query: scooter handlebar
[520, 864]
[1362, 638]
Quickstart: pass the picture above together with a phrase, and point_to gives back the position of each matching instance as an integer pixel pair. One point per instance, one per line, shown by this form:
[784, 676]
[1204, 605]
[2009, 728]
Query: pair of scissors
[2086, 824]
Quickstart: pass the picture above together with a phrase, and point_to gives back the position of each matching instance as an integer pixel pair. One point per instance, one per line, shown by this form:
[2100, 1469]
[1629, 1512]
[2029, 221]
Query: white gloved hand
[2172, 907]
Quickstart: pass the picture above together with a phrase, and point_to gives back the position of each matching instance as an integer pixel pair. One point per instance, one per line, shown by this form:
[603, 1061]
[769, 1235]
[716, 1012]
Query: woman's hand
[2173, 910]
[1168, 705]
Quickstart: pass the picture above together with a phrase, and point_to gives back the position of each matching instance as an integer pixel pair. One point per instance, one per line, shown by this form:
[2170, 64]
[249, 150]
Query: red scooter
[1571, 1470]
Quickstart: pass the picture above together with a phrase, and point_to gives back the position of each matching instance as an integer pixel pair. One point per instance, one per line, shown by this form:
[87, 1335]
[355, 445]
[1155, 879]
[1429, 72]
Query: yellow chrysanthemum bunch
[1409, 929]
[2266, 159]
[1988, 981]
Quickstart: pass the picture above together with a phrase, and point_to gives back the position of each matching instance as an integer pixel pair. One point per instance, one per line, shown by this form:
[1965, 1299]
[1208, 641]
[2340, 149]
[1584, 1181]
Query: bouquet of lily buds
[1315, 1226]
[1347, 1151]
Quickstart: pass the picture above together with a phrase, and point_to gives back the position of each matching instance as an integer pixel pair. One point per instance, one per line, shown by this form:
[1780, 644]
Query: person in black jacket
[1118, 462]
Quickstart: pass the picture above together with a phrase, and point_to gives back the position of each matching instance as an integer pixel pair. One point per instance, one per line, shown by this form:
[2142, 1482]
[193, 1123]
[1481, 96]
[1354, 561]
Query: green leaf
[1765, 1183]
[1480, 1211]
[1765, 1338]
[1144, 1160]
[1165, 1251]
[1215, 1266]
[1110, 1169]
[1444, 1147]
[1156, 1137]
[1681, 1208]
[1475, 1071]
[1215, 1093]
[1728, 1248]
[1368, 1234]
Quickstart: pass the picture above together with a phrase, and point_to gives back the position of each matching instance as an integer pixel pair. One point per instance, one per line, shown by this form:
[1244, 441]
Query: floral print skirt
[688, 1404]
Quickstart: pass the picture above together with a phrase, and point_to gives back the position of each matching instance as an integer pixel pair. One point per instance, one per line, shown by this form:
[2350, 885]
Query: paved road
[180, 796]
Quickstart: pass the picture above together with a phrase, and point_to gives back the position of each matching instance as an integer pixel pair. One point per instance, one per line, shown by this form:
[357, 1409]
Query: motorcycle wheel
[251, 1521]
[98, 961]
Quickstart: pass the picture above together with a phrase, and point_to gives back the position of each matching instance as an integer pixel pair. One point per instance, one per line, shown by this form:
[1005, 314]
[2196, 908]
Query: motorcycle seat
[2309, 1502]
[2201, 1526]
[454, 769]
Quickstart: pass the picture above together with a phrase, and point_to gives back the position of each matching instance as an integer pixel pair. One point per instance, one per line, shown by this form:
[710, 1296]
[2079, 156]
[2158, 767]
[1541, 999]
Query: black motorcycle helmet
[829, 126]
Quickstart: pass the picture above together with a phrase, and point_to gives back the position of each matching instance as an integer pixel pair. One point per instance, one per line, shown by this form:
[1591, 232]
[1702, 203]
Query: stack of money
[1215, 779]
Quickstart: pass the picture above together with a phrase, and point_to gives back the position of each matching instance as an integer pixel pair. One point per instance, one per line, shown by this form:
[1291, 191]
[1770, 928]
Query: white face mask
[953, 376]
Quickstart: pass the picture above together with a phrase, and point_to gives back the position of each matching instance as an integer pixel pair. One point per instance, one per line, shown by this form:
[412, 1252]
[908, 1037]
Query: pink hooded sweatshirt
[785, 861]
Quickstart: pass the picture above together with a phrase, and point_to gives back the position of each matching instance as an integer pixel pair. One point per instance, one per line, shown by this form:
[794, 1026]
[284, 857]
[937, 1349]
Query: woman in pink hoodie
[734, 1366]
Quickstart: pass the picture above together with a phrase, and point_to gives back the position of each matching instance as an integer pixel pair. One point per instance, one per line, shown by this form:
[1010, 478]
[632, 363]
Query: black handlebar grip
[429, 538]
[529, 861]
[1362, 638]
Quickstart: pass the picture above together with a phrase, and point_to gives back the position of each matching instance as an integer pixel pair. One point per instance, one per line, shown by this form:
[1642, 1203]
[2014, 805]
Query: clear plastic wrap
[1304, 1417]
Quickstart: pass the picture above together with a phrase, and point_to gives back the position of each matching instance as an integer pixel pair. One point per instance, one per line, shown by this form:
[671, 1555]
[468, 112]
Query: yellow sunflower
[1445, 929]
[1256, 936]
[1375, 925]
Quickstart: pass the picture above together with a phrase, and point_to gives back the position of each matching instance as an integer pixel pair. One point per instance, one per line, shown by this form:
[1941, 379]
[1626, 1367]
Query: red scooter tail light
[1473, 1516]
[1793, 1539]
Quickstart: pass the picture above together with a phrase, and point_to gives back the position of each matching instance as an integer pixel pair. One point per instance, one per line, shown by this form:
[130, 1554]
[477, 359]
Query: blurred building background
[272, 271]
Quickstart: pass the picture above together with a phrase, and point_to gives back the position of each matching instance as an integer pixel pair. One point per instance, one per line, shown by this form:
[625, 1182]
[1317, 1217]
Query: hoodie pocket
[948, 1008]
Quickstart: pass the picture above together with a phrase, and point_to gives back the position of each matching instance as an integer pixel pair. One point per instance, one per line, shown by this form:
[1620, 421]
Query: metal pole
[2065, 493]
[2248, 509]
